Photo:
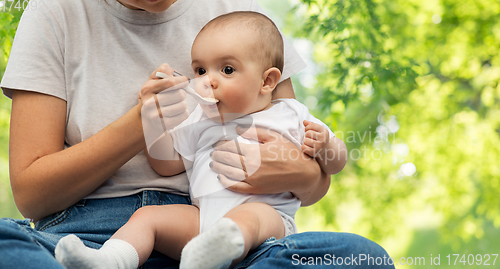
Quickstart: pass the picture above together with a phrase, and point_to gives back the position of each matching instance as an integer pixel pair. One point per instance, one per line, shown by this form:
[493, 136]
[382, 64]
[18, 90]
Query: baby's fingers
[313, 135]
[307, 150]
[313, 143]
[321, 137]
[309, 125]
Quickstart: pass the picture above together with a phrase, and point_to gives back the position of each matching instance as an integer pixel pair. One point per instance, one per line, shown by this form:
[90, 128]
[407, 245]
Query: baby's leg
[257, 223]
[243, 228]
[165, 228]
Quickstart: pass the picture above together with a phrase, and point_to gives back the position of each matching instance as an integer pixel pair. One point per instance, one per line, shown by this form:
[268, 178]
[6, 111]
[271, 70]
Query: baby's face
[230, 74]
[153, 6]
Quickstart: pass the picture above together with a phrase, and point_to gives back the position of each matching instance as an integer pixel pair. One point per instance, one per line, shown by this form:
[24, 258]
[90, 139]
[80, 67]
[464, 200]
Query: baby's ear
[270, 78]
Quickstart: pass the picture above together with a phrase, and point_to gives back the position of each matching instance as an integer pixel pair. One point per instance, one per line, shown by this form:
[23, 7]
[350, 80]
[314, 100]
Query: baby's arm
[330, 152]
[173, 165]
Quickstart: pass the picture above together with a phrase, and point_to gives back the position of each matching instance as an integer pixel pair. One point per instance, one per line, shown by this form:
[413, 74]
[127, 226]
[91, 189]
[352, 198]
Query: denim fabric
[318, 250]
[94, 221]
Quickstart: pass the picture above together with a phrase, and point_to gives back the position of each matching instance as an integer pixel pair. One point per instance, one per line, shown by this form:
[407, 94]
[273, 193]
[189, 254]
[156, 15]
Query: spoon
[190, 91]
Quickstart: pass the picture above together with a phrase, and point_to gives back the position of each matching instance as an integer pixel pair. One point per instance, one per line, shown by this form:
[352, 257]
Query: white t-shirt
[193, 140]
[96, 55]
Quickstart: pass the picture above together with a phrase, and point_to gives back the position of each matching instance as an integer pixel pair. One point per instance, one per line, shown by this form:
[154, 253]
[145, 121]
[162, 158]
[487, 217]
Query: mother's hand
[164, 98]
[282, 167]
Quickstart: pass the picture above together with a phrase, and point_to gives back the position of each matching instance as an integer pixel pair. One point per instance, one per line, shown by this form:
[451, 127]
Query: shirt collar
[144, 17]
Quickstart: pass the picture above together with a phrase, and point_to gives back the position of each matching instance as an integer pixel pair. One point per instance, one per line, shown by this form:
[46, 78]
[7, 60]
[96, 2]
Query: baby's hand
[316, 139]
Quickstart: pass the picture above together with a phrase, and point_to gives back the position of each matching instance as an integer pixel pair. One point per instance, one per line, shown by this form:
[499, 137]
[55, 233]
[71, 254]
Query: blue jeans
[95, 220]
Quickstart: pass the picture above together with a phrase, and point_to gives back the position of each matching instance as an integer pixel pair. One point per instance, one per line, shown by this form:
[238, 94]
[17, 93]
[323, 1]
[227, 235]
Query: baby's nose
[207, 82]
[211, 82]
[205, 86]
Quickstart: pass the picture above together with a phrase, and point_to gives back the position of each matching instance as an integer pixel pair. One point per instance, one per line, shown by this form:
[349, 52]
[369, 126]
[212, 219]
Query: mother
[76, 145]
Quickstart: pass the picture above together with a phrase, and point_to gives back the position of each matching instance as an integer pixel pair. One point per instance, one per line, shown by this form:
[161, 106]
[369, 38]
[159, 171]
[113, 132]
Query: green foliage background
[8, 26]
[406, 84]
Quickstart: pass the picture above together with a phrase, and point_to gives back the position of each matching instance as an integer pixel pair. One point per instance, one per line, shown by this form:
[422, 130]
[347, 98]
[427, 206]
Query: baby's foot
[115, 253]
[215, 248]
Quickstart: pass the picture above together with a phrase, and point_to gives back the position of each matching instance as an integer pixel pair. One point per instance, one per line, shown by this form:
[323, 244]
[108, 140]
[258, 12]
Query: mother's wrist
[137, 109]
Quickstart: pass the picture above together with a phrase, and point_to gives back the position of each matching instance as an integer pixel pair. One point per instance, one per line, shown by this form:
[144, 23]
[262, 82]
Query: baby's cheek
[235, 101]
[233, 96]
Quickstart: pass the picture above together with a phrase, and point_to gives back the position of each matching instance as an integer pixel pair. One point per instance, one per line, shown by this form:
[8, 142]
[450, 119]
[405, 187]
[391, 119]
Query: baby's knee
[145, 213]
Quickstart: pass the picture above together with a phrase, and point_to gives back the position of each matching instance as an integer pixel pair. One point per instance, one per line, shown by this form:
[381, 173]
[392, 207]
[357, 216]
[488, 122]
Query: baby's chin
[212, 112]
[225, 117]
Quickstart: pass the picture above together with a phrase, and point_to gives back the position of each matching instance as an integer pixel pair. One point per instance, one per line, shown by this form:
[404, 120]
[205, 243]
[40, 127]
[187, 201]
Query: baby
[239, 59]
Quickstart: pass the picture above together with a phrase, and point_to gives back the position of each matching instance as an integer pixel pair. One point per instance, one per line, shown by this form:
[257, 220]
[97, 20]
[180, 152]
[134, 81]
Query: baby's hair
[269, 44]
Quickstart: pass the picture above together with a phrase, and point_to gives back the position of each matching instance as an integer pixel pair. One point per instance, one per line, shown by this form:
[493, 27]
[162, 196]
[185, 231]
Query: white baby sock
[115, 253]
[215, 248]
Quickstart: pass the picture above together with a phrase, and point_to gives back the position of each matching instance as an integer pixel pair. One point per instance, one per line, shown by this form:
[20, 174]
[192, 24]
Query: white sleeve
[304, 114]
[36, 61]
[185, 135]
[308, 116]
[293, 62]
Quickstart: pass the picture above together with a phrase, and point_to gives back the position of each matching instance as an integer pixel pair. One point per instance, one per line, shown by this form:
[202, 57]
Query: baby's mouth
[214, 106]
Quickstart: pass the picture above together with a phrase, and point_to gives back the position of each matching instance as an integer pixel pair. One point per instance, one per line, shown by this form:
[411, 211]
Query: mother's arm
[277, 170]
[47, 178]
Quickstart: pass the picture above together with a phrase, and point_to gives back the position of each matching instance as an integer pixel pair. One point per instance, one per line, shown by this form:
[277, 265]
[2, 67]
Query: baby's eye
[228, 70]
[201, 71]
